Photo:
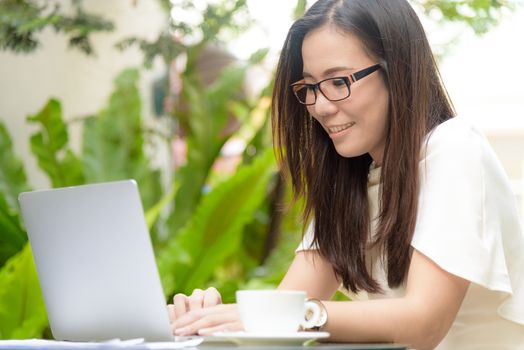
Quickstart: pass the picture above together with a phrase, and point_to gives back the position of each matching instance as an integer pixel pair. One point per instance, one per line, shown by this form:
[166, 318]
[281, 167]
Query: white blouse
[468, 224]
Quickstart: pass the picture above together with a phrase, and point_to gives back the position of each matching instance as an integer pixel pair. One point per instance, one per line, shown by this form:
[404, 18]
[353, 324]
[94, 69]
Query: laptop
[95, 263]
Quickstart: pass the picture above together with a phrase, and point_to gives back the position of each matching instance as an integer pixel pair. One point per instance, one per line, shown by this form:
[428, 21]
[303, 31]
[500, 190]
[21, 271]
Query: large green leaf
[49, 145]
[113, 141]
[12, 182]
[22, 310]
[209, 110]
[215, 230]
[12, 236]
[153, 213]
[13, 179]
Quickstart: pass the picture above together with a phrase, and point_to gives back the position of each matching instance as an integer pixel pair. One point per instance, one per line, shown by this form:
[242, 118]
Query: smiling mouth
[339, 128]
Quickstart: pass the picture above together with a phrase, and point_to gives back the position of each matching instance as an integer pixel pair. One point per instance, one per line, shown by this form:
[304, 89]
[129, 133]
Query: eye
[338, 82]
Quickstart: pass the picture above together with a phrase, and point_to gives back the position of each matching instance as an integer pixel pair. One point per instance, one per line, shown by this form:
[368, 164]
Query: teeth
[339, 128]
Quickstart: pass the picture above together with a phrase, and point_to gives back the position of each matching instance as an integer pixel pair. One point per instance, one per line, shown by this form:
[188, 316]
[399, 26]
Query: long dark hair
[334, 187]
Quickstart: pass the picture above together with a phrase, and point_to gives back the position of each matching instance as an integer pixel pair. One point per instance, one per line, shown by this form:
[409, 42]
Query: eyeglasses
[334, 89]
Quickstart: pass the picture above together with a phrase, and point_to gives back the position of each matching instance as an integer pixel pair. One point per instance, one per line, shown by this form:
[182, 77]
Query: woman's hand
[202, 313]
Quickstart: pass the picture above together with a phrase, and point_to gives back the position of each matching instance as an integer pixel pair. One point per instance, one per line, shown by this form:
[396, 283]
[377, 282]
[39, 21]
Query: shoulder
[454, 133]
[458, 143]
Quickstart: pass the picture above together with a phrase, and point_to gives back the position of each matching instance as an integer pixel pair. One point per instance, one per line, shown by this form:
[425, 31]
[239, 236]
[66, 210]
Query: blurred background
[176, 95]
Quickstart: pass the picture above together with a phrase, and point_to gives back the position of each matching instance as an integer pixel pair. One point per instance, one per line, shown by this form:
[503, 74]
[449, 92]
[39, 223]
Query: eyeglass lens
[333, 89]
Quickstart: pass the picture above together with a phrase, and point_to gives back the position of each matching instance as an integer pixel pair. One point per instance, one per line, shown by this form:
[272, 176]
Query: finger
[205, 318]
[212, 297]
[171, 312]
[179, 301]
[196, 300]
[187, 319]
[194, 315]
[207, 321]
[226, 327]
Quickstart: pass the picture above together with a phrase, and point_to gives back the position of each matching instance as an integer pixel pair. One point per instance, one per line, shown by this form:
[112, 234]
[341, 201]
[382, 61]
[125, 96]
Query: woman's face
[356, 124]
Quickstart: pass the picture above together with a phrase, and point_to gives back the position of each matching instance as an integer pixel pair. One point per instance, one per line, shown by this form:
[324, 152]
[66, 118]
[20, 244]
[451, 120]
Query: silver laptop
[95, 263]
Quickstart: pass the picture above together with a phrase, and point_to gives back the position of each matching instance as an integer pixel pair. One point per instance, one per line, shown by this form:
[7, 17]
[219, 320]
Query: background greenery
[227, 232]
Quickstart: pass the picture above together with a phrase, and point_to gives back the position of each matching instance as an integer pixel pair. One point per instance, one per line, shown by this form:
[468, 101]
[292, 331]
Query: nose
[324, 107]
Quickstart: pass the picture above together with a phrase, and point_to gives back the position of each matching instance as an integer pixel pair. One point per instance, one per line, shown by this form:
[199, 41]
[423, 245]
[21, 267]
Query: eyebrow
[327, 71]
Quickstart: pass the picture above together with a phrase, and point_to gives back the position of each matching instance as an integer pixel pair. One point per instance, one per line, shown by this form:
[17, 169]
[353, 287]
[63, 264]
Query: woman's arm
[421, 318]
[311, 273]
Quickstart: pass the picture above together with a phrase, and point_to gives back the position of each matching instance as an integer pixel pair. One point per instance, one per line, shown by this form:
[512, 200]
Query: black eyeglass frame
[348, 80]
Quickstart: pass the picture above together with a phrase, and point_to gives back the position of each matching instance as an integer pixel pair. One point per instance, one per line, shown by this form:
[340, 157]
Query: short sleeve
[467, 219]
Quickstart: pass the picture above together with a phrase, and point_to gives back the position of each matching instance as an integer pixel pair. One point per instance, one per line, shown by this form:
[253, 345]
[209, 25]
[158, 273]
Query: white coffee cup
[274, 311]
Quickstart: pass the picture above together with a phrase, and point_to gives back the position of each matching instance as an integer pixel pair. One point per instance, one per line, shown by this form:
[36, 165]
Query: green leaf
[258, 56]
[479, 15]
[50, 117]
[22, 309]
[215, 230]
[113, 141]
[154, 212]
[191, 178]
[12, 181]
[49, 145]
[300, 9]
[209, 111]
[21, 20]
[12, 236]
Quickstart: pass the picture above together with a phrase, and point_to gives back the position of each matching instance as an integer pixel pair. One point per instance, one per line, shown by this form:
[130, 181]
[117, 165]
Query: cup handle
[312, 315]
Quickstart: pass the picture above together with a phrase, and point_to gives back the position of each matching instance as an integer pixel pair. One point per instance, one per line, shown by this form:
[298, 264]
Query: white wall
[83, 84]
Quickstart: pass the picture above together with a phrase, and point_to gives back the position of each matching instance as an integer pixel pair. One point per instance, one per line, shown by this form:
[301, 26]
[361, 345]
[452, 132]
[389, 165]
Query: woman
[412, 214]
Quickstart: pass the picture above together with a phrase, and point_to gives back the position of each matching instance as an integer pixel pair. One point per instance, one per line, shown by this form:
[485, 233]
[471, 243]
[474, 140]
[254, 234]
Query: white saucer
[252, 338]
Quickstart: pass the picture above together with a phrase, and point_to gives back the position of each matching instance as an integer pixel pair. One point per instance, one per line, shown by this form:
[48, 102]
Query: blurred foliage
[228, 232]
[22, 313]
[300, 9]
[22, 310]
[214, 232]
[12, 181]
[225, 17]
[21, 20]
[222, 99]
[113, 148]
[114, 142]
[205, 135]
[49, 145]
[480, 15]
